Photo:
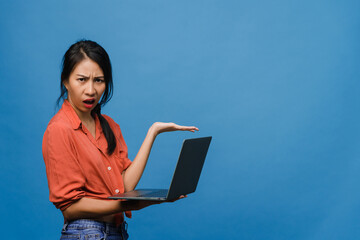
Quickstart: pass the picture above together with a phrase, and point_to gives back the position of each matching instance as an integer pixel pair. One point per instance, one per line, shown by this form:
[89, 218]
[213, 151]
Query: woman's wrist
[130, 205]
[153, 130]
[135, 205]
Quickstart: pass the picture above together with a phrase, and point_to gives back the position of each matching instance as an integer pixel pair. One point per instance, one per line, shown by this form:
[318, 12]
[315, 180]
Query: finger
[186, 128]
[176, 199]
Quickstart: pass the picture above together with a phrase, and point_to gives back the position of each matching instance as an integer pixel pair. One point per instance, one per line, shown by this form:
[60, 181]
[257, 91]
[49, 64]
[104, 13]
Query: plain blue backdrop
[276, 83]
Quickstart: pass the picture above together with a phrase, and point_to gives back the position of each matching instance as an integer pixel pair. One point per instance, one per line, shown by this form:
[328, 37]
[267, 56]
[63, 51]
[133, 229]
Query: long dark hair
[75, 54]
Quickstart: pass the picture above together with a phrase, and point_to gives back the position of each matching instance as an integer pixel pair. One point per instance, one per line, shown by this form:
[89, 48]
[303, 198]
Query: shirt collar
[71, 114]
[75, 120]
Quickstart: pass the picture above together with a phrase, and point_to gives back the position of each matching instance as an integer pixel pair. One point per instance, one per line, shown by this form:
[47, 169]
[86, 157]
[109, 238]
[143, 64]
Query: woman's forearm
[93, 208]
[96, 208]
[134, 172]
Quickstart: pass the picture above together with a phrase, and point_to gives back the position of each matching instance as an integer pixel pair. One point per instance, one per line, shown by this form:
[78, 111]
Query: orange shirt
[77, 164]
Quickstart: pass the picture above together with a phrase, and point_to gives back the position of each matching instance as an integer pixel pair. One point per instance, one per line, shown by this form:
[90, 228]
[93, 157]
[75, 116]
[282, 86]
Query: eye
[81, 79]
[99, 80]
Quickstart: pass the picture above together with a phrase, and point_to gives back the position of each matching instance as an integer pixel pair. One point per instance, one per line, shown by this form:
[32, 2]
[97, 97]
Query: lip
[87, 104]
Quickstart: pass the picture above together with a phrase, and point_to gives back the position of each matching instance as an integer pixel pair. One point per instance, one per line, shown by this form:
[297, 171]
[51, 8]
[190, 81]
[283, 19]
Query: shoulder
[59, 125]
[114, 126]
[111, 121]
[58, 137]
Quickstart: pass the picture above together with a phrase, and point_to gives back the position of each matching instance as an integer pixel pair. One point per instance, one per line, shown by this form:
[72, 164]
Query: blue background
[276, 83]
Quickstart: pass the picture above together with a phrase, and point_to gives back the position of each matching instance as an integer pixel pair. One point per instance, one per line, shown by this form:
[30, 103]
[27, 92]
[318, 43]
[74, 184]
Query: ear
[66, 84]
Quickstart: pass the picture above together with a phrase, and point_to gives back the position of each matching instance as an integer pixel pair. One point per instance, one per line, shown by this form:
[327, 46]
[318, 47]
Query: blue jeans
[89, 229]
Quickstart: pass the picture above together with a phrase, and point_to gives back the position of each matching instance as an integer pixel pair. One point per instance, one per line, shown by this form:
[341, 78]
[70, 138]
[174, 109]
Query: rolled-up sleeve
[65, 176]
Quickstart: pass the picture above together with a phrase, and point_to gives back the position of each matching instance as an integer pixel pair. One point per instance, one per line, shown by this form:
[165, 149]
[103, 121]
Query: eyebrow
[80, 75]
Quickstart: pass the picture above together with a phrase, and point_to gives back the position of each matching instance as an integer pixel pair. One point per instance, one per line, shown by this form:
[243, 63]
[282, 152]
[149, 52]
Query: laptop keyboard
[161, 193]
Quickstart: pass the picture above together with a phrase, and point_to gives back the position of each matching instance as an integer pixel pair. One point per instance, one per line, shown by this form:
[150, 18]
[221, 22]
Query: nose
[90, 89]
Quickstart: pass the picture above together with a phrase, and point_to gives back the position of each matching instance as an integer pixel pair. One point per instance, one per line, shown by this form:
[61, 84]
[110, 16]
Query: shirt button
[117, 191]
[109, 168]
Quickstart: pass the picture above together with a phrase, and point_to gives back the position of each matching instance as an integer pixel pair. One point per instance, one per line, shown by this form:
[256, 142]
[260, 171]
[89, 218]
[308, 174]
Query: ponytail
[109, 134]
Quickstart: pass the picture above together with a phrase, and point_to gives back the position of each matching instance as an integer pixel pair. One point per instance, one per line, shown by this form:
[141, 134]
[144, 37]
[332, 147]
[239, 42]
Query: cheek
[102, 90]
[74, 90]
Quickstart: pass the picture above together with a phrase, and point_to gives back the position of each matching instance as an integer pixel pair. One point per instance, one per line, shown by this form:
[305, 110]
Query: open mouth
[89, 101]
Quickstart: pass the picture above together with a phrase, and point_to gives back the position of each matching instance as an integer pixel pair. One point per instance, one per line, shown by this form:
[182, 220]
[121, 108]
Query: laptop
[185, 178]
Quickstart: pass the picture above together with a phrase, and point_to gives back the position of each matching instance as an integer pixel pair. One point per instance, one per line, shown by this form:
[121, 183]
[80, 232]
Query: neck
[85, 117]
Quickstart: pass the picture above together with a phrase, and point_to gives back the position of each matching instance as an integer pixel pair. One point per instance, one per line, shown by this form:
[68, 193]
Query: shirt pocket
[119, 161]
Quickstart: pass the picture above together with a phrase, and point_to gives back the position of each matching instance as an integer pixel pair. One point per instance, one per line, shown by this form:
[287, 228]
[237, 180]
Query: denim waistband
[88, 223]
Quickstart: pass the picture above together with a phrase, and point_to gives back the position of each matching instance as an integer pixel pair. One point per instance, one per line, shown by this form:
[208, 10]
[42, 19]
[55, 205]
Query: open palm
[161, 127]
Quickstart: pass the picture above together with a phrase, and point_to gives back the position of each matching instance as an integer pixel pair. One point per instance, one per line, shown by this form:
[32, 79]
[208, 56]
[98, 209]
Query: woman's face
[85, 86]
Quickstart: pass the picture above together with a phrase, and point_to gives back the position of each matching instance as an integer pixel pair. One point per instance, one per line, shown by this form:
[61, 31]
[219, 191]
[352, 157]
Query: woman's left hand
[160, 127]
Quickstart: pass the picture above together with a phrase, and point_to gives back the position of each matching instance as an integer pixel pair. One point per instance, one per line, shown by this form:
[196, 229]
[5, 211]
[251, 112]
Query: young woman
[85, 153]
